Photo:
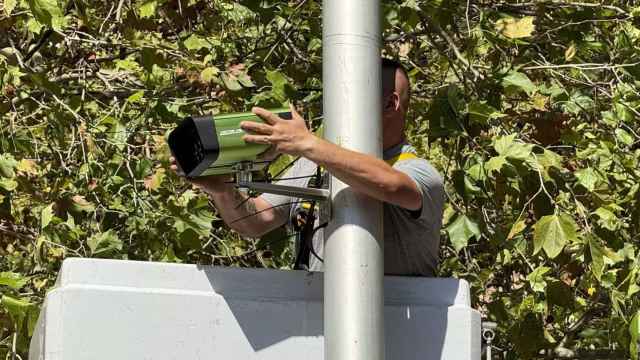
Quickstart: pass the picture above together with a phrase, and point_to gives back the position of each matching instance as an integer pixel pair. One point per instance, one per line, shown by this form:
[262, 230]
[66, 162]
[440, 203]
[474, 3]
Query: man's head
[395, 101]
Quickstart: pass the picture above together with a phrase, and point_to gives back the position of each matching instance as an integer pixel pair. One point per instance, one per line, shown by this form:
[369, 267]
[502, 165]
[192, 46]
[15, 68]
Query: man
[410, 188]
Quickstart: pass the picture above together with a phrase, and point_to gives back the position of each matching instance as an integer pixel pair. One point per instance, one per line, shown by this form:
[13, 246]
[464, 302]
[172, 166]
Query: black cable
[308, 231]
[296, 177]
[254, 195]
[249, 197]
[290, 164]
[306, 242]
[313, 251]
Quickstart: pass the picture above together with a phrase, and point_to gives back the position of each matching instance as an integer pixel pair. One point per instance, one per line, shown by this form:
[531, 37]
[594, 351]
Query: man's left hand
[285, 136]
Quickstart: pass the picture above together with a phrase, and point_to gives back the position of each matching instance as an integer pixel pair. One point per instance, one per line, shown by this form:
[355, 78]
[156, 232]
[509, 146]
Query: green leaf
[443, 119]
[314, 44]
[578, 103]
[461, 230]
[624, 137]
[507, 146]
[495, 164]
[195, 42]
[13, 280]
[553, 232]
[279, 85]
[519, 151]
[148, 9]
[559, 293]
[34, 26]
[7, 165]
[634, 332]
[9, 5]
[47, 12]
[46, 215]
[537, 279]
[607, 219]
[588, 178]
[189, 240]
[8, 184]
[526, 333]
[231, 82]
[481, 113]
[549, 159]
[104, 242]
[209, 74]
[200, 223]
[517, 81]
[128, 64]
[245, 80]
[136, 97]
[19, 310]
[503, 143]
[597, 257]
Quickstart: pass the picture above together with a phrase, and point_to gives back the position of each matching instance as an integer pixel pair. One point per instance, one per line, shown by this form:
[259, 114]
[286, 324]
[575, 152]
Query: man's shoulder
[416, 164]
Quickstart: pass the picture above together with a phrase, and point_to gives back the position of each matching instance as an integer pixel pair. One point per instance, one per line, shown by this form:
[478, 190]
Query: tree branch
[526, 6]
[443, 34]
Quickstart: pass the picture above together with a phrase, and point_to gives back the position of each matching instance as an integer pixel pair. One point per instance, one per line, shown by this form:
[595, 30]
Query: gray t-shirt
[411, 238]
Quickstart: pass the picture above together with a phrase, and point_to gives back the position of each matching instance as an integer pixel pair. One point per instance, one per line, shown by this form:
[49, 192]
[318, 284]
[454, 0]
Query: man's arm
[364, 173]
[252, 217]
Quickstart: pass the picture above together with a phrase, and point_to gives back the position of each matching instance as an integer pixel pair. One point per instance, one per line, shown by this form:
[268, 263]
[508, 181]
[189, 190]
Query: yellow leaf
[9, 5]
[591, 291]
[516, 229]
[153, 182]
[28, 167]
[158, 141]
[160, 148]
[80, 203]
[570, 52]
[516, 28]
[539, 102]
[209, 74]
[404, 49]
[56, 252]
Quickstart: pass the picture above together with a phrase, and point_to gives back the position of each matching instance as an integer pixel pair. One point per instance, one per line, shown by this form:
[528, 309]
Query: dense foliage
[530, 110]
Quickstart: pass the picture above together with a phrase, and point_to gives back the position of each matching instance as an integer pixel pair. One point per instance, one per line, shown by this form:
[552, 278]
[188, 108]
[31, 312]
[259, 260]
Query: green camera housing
[213, 145]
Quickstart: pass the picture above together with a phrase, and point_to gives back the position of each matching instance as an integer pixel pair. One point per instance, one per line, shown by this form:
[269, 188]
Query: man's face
[395, 93]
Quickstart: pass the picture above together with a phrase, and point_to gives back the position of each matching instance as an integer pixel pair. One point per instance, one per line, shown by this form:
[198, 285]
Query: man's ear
[390, 102]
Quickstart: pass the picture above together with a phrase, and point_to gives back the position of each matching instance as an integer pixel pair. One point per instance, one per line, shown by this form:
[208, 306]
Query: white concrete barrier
[109, 309]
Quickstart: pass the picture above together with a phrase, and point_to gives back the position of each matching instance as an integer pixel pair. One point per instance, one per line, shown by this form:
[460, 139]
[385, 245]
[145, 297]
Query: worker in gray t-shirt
[411, 238]
[410, 188]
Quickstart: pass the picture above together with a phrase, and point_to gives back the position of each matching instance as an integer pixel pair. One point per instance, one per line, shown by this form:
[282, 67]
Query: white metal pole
[353, 252]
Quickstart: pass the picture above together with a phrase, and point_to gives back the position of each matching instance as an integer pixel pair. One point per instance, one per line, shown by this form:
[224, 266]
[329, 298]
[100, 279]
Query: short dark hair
[391, 64]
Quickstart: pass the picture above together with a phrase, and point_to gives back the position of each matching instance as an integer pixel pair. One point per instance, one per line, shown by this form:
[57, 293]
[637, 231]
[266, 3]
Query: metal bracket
[243, 174]
[488, 334]
[299, 192]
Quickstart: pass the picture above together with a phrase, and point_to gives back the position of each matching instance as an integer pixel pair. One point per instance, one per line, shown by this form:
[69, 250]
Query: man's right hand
[212, 185]
[258, 216]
